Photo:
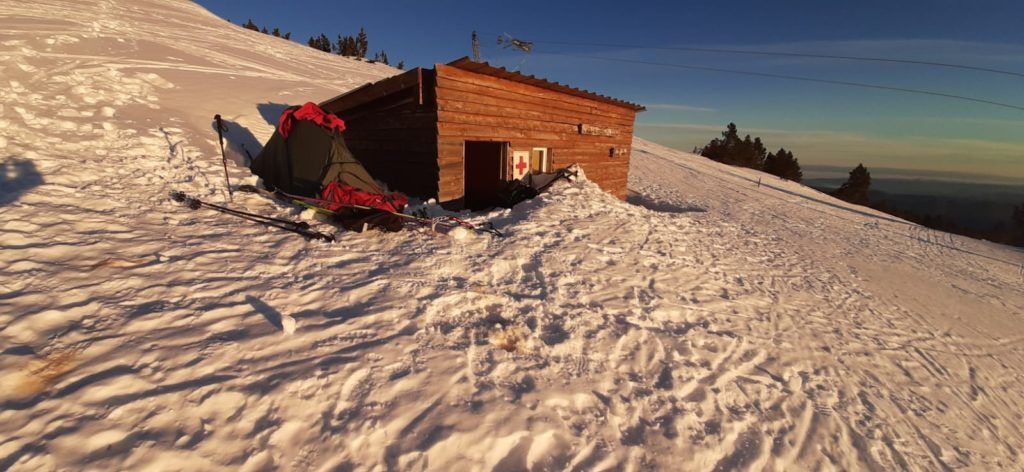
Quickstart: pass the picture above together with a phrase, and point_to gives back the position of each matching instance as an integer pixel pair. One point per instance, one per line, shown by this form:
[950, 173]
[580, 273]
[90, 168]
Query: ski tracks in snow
[710, 325]
[104, 280]
[888, 378]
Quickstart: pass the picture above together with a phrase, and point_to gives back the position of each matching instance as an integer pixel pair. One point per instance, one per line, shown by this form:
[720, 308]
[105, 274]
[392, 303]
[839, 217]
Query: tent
[303, 156]
[307, 157]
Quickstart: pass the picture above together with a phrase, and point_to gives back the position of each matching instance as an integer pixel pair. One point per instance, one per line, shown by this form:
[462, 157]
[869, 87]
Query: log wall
[478, 107]
[409, 130]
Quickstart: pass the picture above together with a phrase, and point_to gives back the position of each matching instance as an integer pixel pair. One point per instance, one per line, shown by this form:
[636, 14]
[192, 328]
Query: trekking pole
[224, 157]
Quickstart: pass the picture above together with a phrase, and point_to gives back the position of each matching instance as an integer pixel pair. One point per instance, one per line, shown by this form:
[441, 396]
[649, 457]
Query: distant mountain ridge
[817, 171]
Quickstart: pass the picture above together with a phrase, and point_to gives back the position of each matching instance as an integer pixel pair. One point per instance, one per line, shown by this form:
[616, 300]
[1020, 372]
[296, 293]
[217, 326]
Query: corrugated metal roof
[465, 63]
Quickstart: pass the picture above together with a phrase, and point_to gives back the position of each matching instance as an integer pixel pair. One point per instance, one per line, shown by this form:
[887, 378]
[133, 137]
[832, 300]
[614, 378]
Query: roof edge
[396, 82]
[467, 64]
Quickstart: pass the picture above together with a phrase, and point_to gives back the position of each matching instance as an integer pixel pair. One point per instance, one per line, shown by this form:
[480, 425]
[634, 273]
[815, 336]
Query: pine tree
[855, 189]
[264, 30]
[749, 153]
[287, 36]
[362, 44]
[381, 57]
[323, 43]
[793, 171]
[1017, 226]
[401, 65]
[722, 150]
[250, 25]
[757, 155]
[783, 165]
[346, 46]
[275, 32]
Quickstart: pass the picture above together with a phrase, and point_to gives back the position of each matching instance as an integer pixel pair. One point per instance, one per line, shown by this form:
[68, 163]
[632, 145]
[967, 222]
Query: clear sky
[822, 124]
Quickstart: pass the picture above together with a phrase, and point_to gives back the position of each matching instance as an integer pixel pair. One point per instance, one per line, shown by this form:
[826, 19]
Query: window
[539, 161]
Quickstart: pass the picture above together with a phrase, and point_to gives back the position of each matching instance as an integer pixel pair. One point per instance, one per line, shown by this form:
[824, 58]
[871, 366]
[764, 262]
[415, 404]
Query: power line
[803, 79]
[796, 54]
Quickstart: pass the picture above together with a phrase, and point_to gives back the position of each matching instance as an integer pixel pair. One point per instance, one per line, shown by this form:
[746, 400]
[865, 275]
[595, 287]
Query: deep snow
[709, 322]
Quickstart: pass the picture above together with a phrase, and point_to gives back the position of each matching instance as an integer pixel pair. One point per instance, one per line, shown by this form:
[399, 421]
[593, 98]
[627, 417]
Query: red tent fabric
[310, 112]
[337, 195]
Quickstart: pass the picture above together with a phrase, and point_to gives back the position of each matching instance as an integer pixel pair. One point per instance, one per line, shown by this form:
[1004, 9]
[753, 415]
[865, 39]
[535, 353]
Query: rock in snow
[706, 323]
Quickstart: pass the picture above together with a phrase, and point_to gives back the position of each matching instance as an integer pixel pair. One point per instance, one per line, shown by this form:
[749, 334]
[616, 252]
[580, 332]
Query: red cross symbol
[522, 165]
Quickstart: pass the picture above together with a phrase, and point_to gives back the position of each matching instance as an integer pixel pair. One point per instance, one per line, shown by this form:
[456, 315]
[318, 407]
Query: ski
[298, 227]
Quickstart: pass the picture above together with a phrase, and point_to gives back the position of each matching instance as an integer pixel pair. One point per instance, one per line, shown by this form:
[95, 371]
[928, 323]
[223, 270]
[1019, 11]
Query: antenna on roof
[506, 41]
[476, 48]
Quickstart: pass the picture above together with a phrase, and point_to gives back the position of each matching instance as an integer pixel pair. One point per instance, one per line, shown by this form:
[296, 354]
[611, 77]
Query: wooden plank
[396, 120]
[445, 87]
[557, 146]
[419, 81]
[465, 63]
[452, 145]
[390, 144]
[465, 102]
[498, 122]
[470, 103]
[445, 160]
[565, 94]
[524, 139]
[500, 134]
[412, 135]
[600, 172]
[594, 155]
[398, 102]
[450, 185]
[451, 182]
[487, 85]
[495, 90]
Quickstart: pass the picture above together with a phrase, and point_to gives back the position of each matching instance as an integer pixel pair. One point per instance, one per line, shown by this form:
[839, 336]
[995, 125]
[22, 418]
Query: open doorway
[483, 173]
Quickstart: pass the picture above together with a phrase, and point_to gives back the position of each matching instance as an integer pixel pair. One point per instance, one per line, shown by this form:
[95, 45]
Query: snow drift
[707, 323]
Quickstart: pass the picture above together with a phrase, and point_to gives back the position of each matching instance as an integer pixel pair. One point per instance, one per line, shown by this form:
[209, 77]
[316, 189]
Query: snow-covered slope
[711, 322]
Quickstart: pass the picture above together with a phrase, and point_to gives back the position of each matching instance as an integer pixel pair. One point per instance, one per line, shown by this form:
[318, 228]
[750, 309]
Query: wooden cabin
[460, 131]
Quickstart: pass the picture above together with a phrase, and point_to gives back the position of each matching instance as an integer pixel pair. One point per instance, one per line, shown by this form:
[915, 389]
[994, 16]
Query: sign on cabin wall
[592, 130]
[520, 164]
[618, 152]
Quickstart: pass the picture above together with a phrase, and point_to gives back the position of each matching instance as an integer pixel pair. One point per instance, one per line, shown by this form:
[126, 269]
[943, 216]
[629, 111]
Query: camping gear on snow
[309, 112]
[344, 200]
[307, 157]
[341, 194]
[441, 224]
[309, 154]
[299, 227]
[223, 155]
[517, 191]
[306, 162]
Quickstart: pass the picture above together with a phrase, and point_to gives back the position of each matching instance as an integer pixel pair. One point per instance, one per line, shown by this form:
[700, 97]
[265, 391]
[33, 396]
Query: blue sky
[823, 124]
